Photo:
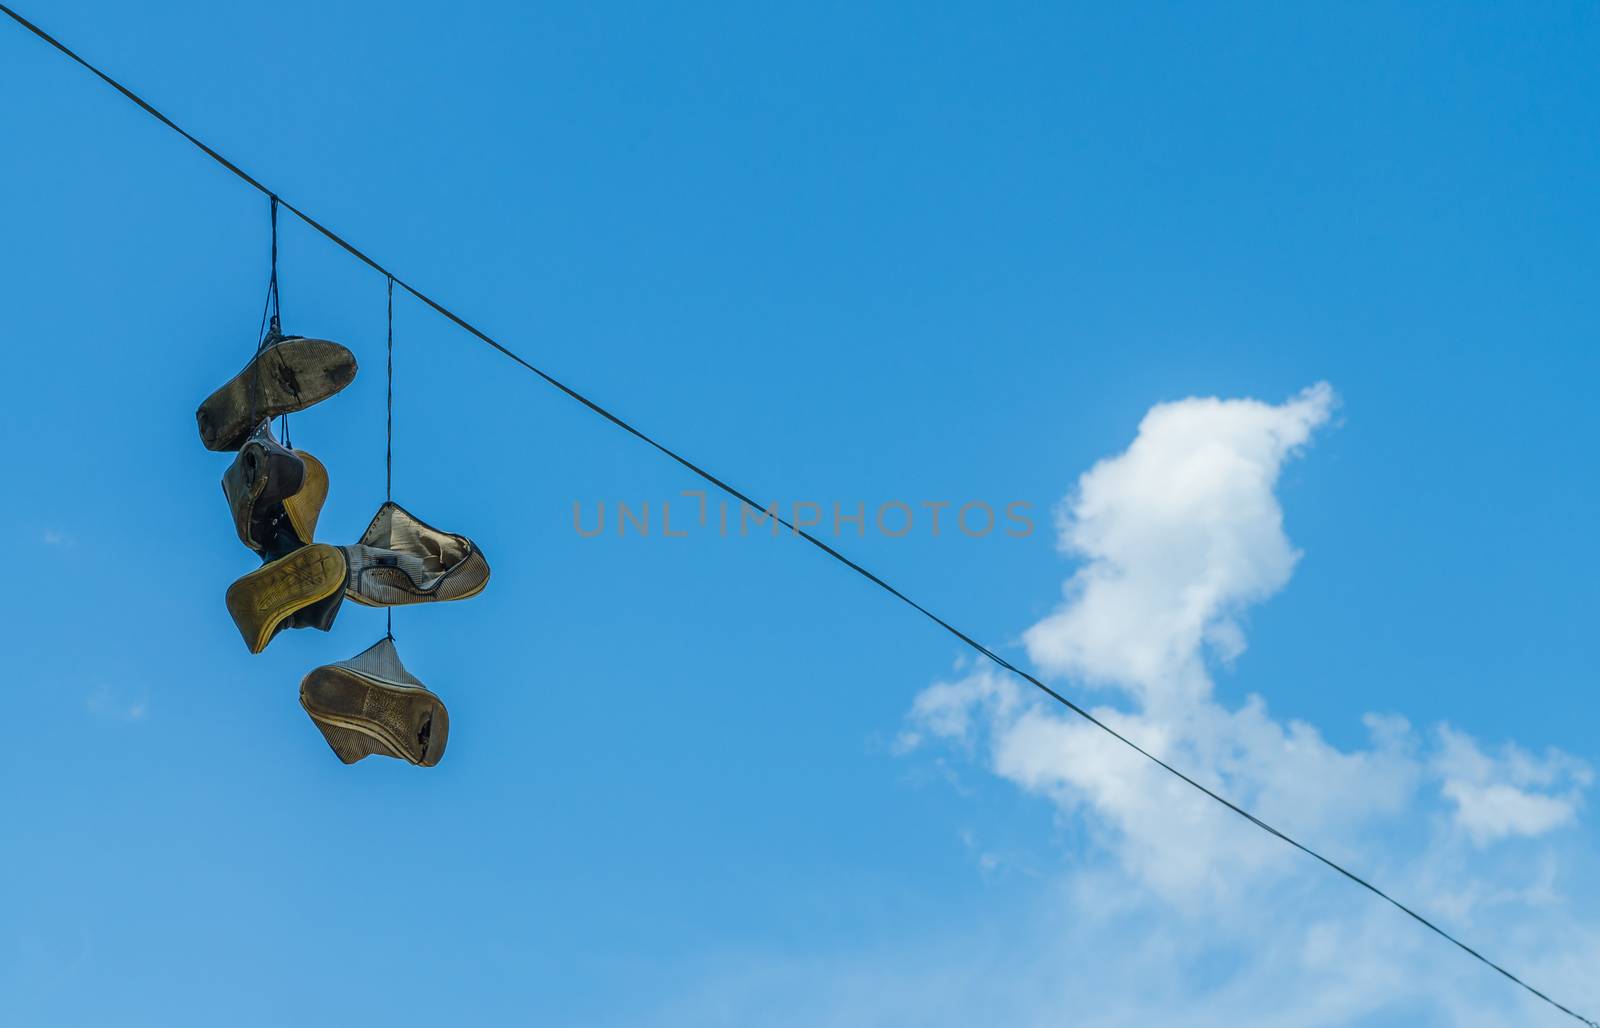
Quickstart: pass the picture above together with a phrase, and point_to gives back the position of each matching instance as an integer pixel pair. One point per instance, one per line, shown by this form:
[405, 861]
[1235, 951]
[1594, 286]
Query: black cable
[388, 425]
[388, 438]
[740, 496]
[270, 314]
[272, 284]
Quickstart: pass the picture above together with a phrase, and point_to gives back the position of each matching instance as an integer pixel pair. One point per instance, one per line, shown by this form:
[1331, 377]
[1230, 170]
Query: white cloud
[1178, 536]
[56, 537]
[1496, 797]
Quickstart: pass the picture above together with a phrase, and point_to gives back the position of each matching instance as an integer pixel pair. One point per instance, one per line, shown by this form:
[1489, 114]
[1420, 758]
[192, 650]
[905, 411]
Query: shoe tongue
[264, 438]
[263, 434]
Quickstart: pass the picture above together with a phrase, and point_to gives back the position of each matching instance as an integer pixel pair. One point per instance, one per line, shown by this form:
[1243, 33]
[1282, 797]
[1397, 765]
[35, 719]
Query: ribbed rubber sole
[361, 716]
[281, 379]
[261, 600]
[305, 505]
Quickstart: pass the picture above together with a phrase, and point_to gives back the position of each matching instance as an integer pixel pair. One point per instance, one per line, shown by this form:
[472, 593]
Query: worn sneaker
[275, 494]
[402, 559]
[261, 477]
[293, 591]
[287, 374]
[370, 704]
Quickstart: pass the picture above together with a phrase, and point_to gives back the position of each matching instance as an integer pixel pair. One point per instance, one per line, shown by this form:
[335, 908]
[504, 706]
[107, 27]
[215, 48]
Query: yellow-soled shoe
[305, 505]
[265, 599]
[370, 705]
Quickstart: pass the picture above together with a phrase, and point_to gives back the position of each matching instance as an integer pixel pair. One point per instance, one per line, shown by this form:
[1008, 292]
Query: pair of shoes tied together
[370, 705]
[400, 560]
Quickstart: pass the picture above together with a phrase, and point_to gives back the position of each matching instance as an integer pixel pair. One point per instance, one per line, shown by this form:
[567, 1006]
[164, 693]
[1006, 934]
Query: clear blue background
[837, 254]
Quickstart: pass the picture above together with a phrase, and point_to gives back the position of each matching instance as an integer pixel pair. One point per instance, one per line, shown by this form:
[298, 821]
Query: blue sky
[838, 256]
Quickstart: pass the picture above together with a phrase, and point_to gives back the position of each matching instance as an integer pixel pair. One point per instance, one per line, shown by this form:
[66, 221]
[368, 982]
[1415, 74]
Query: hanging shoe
[287, 374]
[370, 704]
[261, 477]
[275, 493]
[303, 589]
[401, 560]
[293, 523]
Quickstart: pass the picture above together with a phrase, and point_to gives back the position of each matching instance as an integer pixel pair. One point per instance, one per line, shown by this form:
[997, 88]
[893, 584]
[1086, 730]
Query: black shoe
[261, 477]
[287, 374]
[275, 494]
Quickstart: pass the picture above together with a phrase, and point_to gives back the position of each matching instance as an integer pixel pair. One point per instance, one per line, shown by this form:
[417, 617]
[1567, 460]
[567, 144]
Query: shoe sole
[384, 718]
[305, 506]
[261, 600]
[283, 379]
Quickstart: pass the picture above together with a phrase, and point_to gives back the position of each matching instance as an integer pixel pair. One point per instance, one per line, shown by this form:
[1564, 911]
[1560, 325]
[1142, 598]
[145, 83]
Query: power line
[395, 280]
